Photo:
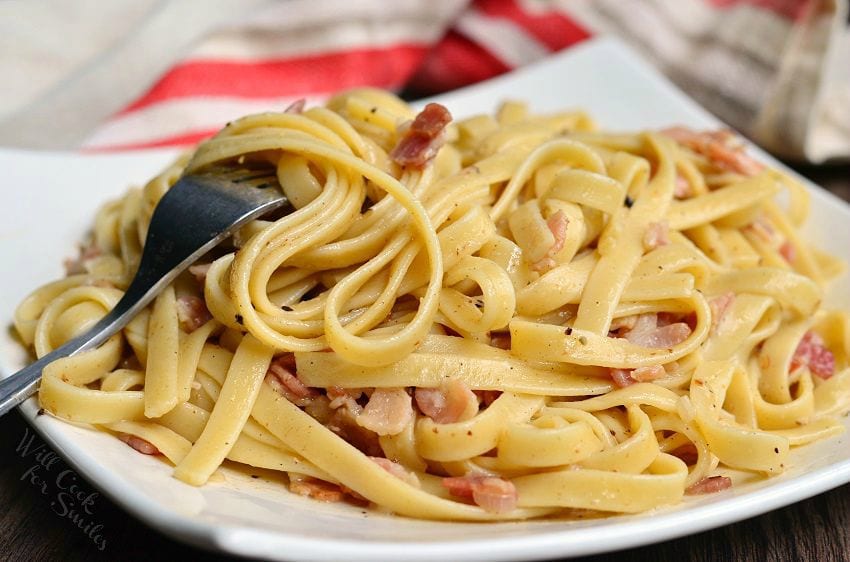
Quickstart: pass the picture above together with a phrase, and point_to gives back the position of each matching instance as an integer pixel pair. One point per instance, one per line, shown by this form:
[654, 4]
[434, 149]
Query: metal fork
[196, 214]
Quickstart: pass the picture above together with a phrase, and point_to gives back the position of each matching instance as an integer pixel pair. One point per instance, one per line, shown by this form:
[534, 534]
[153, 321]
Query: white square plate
[51, 199]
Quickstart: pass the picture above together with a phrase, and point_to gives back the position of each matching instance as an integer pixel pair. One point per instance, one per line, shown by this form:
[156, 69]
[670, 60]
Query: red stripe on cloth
[186, 139]
[554, 29]
[791, 9]
[454, 62]
[381, 67]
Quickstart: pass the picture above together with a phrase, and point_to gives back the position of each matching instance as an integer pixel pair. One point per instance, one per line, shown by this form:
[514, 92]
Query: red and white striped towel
[132, 74]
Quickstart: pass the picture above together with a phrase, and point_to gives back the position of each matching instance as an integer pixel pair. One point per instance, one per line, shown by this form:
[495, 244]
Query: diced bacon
[343, 397]
[316, 489]
[282, 378]
[657, 234]
[388, 411]
[682, 188]
[647, 333]
[424, 138]
[492, 494]
[192, 312]
[722, 148]
[622, 377]
[296, 107]
[502, 341]
[813, 353]
[557, 224]
[80, 264]
[397, 470]
[788, 252]
[487, 397]
[199, 271]
[709, 485]
[648, 374]
[719, 306]
[625, 377]
[141, 445]
[447, 403]
[687, 453]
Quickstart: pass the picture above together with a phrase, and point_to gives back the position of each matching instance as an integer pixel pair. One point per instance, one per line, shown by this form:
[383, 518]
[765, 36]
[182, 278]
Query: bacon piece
[80, 264]
[721, 147]
[397, 470]
[687, 453]
[657, 234]
[625, 377]
[557, 224]
[423, 139]
[192, 312]
[719, 306]
[447, 403]
[142, 445]
[282, 378]
[622, 377]
[316, 489]
[492, 494]
[199, 271]
[709, 485]
[813, 353]
[788, 251]
[388, 411]
[647, 333]
[647, 374]
[296, 107]
[343, 397]
[682, 188]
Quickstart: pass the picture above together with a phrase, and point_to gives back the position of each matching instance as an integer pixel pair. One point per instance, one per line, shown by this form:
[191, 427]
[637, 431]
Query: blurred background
[129, 74]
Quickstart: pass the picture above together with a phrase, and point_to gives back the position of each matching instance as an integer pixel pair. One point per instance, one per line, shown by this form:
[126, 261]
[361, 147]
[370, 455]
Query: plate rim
[617, 532]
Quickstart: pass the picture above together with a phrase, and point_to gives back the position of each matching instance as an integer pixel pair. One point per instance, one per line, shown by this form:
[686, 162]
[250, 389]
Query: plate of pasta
[533, 318]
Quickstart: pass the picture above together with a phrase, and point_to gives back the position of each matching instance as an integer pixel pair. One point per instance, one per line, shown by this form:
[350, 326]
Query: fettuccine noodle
[503, 317]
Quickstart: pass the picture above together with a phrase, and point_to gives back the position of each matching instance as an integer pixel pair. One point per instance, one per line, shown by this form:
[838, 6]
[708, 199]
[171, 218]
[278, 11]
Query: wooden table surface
[33, 526]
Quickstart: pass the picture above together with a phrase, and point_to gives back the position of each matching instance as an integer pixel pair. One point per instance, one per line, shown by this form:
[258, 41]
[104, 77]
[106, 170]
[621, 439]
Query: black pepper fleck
[629, 202]
[239, 319]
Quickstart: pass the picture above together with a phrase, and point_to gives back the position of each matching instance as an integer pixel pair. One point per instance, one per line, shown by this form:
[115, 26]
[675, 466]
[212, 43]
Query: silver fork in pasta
[201, 210]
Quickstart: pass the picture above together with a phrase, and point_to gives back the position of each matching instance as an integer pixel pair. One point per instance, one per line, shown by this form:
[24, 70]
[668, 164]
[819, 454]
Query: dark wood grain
[817, 529]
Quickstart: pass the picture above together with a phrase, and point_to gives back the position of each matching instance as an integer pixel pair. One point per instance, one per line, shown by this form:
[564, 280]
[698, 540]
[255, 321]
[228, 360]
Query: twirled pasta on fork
[502, 317]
